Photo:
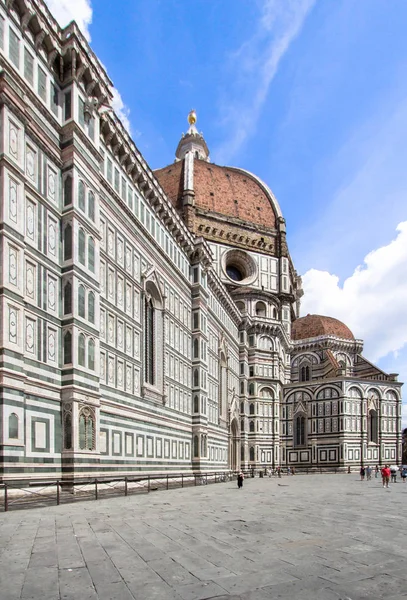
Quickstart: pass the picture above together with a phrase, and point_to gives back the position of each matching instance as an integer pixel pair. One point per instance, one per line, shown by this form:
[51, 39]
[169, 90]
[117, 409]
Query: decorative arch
[300, 429]
[266, 343]
[13, 426]
[153, 337]
[267, 392]
[261, 309]
[87, 435]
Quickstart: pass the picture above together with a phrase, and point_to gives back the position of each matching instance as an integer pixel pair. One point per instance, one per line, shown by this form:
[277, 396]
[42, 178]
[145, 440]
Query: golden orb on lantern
[192, 117]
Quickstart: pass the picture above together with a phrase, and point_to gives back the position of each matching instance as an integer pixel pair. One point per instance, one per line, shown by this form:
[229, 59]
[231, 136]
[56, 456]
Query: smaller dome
[317, 325]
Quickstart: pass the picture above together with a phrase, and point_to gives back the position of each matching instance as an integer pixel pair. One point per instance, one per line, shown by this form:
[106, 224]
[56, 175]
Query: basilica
[151, 319]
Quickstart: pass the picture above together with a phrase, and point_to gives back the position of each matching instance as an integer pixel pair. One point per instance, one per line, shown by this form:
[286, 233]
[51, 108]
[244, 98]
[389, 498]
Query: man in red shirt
[386, 476]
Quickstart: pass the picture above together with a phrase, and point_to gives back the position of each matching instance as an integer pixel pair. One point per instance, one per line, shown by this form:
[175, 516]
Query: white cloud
[372, 301]
[66, 11]
[255, 64]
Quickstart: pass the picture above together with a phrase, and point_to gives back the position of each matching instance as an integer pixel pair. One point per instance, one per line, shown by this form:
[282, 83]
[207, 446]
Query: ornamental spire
[192, 141]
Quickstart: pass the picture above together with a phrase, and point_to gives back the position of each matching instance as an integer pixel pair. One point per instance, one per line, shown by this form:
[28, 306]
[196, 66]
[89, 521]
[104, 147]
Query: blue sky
[310, 95]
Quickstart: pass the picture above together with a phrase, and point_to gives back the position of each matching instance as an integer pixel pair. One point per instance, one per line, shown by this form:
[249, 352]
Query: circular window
[239, 267]
[234, 273]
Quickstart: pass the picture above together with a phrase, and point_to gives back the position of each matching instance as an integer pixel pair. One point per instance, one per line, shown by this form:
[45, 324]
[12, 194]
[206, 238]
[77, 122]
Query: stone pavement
[316, 537]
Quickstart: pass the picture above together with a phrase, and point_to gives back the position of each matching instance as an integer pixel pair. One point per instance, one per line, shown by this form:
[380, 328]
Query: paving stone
[300, 538]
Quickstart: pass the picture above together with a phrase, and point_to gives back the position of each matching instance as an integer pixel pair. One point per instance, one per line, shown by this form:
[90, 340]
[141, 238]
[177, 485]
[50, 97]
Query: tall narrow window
[14, 48]
[91, 255]
[81, 349]
[91, 354]
[68, 298]
[196, 446]
[68, 190]
[81, 247]
[86, 430]
[81, 195]
[149, 342]
[13, 426]
[91, 307]
[252, 454]
[54, 98]
[81, 301]
[81, 112]
[68, 105]
[299, 428]
[67, 348]
[91, 205]
[68, 242]
[91, 128]
[28, 66]
[42, 84]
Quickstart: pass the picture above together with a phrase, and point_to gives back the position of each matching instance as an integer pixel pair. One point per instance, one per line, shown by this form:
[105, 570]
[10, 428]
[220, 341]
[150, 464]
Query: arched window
[252, 411]
[91, 354]
[260, 309]
[196, 446]
[91, 205]
[149, 341]
[196, 348]
[251, 389]
[68, 191]
[81, 246]
[81, 301]
[91, 307]
[196, 404]
[68, 298]
[196, 378]
[86, 430]
[242, 425]
[242, 453]
[372, 427]
[299, 430]
[67, 348]
[91, 255]
[252, 454]
[81, 195]
[81, 349]
[241, 306]
[267, 393]
[274, 313]
[251, 426]
[68, 242]
[13, 426]
[305, 373]
[242, 407]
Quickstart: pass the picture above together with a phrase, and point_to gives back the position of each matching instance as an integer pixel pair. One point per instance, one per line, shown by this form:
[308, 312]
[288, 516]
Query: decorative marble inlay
[13, 200]
[102, 366]
[30, 280]
[12, 324]
[30, 336]
[136, 345]
[120, 249]
[52, 236]
[120, 334]
[102, 324]
[128, 299]
[120, 374]
[110, 242]
[111, 370]
[12, 265]
[120, 284]
[128, 340]
[13, 140]
[128, 378]
[51, 293]
[110, 330]
[51, 184]
[110, 284]
[30, 159]
[30, 224]
[136, 304]
[128, 259]
[102, 271]
[136, 381]
[51, 344]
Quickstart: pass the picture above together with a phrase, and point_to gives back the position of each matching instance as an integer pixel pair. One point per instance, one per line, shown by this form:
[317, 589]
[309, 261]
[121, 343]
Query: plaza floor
[316, 537]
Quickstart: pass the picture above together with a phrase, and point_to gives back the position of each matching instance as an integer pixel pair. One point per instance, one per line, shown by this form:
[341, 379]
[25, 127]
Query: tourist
[376, 471]
[368, 473]
[403, 474]
[362, 473]
[288, 471]
[240, 478]
[279, 472]
[386, 476]
[393, 472]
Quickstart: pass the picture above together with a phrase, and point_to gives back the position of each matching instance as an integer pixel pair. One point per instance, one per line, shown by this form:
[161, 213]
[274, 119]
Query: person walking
[386, 476]
[368, 472]
[403, 474]
[240, 478]
[288, 471]
[362, 473]
[393, 471]
[376, 471]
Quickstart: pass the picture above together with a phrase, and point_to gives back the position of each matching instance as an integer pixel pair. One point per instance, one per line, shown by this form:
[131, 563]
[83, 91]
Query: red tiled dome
[317, 325]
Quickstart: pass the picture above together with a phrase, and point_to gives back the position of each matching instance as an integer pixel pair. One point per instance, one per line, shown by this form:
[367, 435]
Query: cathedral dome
[318, 325]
